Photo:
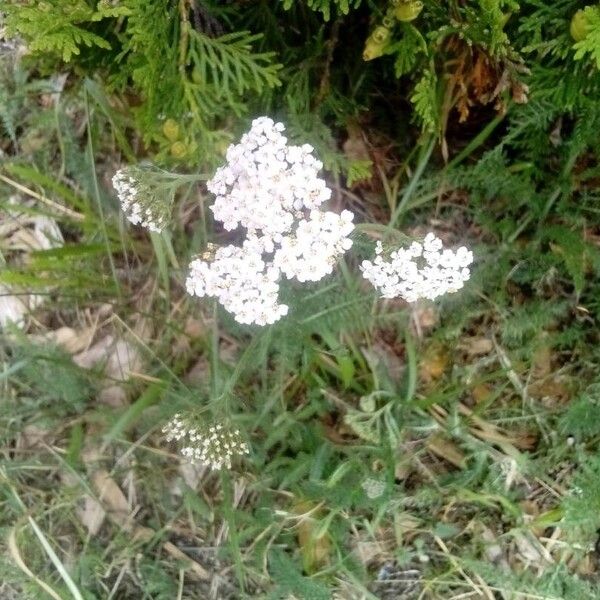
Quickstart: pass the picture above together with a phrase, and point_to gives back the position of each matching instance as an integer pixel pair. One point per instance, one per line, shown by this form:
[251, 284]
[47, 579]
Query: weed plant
[439, 450]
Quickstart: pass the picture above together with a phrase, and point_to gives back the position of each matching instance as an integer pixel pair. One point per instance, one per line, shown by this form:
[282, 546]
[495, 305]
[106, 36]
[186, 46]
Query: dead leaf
[481, 392]
[520, 92]
[14, 308]
[120, 358]
[197, 569]
[542, 361]
[32, 436]
[193, 329]
[553, 390]
[113, 395]
[21, 234]
[192, 474]
[91, 515]
[406, 524]
[476, 346]
[69, 339]
[228, 352]
[367, 550]
[528, 548]
[199, 374]
[382, 355]
[111, 496]
[446, 449]
[402, 470]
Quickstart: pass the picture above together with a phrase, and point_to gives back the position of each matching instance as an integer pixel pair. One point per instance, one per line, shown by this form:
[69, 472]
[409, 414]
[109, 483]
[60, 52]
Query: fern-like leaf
[230, 65]
[424, 100]
[590, 44]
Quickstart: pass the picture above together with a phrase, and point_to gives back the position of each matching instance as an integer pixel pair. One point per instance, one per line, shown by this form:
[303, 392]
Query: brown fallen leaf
[120, 360]
[384, 356]
[406, 525]
[481, 392]
[355, 147]
[91, 514]
[446, 449]
[22, 233]
[119, 357]
[552, 390]
[530, 551]
[199, 373]
[541, 364]
[110, 495]
[32, 436]
[113, 395]
[193, 329]
[192, 475]
[482, 429]
[69, 339]
[476, 346]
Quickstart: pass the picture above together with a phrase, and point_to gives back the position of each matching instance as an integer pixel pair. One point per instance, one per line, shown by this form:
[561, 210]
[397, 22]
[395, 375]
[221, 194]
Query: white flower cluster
[426, 270]
[272, 190]
[241, 281]
[139, 201]
[214, 445]
[310, 254]
[265, 182]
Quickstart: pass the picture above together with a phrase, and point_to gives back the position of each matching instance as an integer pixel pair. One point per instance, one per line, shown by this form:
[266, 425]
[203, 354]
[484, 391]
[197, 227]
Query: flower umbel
[265, 182]
[273, 191]
[241, 281]
[310, 254]
[142, 200]
[214, 444]
[426, 270]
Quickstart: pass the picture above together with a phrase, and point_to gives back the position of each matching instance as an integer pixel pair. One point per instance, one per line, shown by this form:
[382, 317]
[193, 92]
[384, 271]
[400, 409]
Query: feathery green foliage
[60, 28]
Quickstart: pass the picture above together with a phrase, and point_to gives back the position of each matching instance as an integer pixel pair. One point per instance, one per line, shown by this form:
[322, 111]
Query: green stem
[214, 353]
[97, 196]
[412, 184]
[185, 35]
[229, 513]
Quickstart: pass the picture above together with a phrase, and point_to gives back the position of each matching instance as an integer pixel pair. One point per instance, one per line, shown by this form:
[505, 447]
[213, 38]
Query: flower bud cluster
[215, 445]
[424, 270]
[140, 199]
[273, 191]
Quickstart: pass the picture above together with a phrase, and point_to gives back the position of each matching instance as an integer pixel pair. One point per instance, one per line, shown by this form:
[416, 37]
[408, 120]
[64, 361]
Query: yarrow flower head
[274, 192]
[241, 281]
[423, 270]
[141, 198]
[265, 182]
[214, 444]
[310, 254]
